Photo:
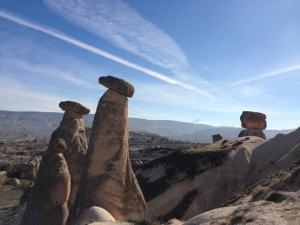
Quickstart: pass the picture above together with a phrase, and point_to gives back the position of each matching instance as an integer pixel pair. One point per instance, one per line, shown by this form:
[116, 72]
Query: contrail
[97, 51]
[269, 74]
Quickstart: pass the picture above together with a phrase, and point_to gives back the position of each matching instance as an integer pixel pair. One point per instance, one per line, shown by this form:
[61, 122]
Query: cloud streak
[119, 24]
[274, 73]
[50, 71]
[97, 51]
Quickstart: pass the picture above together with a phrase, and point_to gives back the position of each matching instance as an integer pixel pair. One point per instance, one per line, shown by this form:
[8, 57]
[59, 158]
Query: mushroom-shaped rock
[75, 107]
[109, 181]
[117, 84]
[48, 200]
[70, 139]
[94, 214]
[253, 120]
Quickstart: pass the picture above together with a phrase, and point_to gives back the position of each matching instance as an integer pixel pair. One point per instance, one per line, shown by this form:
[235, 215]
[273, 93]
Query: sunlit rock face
[48, 200]
[109, 181]
[72, 131]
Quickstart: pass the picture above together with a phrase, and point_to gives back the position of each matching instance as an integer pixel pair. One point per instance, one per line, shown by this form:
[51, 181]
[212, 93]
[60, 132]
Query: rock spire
[109, 181]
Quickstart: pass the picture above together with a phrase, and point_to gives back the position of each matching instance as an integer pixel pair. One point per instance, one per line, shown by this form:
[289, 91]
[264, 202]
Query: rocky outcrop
[71, 133]
[109, 181]
[216, 137]
[254, 122]
[186, 183]
[48, 201]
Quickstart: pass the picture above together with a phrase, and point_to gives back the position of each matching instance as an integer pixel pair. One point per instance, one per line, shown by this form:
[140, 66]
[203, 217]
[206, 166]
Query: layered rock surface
[214, 173]
[184, 184]
[109, 181]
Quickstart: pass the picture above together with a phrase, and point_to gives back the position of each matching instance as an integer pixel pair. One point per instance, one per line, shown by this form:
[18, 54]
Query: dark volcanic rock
[117, 84]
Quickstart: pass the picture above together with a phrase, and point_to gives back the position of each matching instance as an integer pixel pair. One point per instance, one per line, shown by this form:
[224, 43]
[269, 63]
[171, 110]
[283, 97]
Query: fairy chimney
[254, 122]
[72, 131]
[109, 181]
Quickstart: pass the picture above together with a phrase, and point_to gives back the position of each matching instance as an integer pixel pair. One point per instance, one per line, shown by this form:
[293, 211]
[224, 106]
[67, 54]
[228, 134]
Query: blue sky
[201, 61]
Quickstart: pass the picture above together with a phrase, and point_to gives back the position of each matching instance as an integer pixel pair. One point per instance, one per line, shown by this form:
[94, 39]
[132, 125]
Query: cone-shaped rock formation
[48, 200]
[109, 181]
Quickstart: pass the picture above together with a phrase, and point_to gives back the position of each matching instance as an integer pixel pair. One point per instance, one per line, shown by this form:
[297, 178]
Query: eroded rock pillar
[48, 200]
[72, 131]
[109, 181]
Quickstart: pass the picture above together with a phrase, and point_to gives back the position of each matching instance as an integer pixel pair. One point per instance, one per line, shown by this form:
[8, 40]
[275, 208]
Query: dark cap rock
[253, 120]
[74, 106]
[118, 85]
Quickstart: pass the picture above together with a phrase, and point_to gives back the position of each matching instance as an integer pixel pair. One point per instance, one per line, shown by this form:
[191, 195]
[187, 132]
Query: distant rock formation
[109, 181]
[48, 200]
[216, 137]
[72, 132]
[254, 122]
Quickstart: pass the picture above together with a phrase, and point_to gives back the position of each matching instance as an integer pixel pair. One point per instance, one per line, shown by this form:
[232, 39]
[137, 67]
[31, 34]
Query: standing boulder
[48, 200]
[72, 132]
[254, 122]
[109, 181]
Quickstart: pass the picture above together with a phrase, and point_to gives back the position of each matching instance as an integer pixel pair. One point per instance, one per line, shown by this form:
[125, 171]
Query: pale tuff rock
[48, 202]
[117, 84]
[254, 122]
[94, 214]
[109, 181]
[216, 137]
[70, 136]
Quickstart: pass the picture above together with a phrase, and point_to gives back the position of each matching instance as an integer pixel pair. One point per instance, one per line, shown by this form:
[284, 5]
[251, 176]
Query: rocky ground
[235, 181]
[19, 162]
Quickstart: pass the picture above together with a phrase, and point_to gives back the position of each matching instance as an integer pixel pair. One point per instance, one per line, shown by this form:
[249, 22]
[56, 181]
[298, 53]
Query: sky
[200, 61]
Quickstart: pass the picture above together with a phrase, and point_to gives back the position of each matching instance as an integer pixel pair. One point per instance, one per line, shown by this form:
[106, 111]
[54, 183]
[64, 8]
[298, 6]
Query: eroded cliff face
[186, 183]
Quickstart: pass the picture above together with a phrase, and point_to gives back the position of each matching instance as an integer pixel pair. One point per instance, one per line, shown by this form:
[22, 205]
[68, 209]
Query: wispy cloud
[15, 96]
[274, 73]
[98, 51]
[118, 23]
[47, 70]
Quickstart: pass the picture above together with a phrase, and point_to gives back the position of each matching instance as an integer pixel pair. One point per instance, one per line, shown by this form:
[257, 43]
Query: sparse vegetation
[237, 217]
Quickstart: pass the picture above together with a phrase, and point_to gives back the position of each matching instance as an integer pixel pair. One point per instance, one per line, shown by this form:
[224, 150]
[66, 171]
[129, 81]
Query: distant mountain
[42, 124]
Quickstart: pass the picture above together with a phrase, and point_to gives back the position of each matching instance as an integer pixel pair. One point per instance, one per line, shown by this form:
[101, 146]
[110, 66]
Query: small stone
[118, 85]
[74, 106]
